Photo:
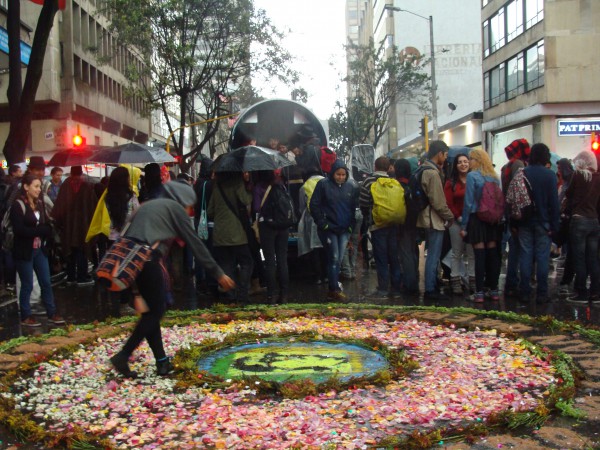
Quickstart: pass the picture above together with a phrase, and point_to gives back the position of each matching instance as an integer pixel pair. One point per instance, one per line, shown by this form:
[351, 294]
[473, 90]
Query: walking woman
[162, 220]
[483, 236]
[31, 229]
[454, 190]
[332, 206]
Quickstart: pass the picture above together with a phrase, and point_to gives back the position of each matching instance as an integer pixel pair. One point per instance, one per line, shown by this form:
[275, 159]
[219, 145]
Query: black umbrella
[251, 158]
[131, 153]
[73, 156]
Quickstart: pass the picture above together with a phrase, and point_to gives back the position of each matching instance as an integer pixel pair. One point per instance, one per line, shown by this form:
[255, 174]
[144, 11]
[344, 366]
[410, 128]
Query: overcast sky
[315, 35]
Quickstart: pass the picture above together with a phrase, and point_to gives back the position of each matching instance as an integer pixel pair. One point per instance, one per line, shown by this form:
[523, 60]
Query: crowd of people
[62, 228]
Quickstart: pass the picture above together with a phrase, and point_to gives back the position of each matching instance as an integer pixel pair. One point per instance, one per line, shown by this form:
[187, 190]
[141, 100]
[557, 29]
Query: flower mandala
[463, 376]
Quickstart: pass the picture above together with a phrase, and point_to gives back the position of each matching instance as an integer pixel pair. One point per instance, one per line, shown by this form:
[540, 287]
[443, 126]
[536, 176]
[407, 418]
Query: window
[514, 19]
[486, 38]
[497, 85]
[534, 58]
[497, 31]
[515, 77]
[534, 12]
[521, 73]
[486, 90]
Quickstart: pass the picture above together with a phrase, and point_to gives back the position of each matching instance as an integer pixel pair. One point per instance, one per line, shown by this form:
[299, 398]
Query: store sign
[25, 49]
[582, 127]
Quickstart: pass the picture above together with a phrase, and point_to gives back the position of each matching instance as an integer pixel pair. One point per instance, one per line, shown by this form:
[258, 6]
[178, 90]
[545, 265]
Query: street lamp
[433, 84]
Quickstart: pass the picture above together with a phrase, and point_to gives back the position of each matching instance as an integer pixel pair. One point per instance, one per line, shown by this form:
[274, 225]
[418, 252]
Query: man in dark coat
[73, 212]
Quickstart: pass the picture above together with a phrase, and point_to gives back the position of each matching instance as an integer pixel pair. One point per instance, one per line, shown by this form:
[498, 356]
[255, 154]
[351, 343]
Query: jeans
[512, 263]
[460, 250]
[153, 289]
[229, 258]
[584, 234]
[534, 247]
[351, 254]
[435, 239]
[387, 260]
[274, 245]
[25, 269]
[408, 252]
[335, 247]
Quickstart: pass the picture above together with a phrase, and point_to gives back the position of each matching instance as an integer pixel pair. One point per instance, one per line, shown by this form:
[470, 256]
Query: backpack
[418, 198]
[519, 198]
[6, 227]
[278, 211]
[491, 203]
[327, 158]
[389, 205]
[309, 188]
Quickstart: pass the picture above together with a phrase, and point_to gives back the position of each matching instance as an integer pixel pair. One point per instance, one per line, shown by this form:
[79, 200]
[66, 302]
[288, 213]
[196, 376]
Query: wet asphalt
[79, 305]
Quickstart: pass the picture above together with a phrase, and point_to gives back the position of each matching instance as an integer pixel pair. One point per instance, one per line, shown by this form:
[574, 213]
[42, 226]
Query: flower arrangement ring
[461, 377]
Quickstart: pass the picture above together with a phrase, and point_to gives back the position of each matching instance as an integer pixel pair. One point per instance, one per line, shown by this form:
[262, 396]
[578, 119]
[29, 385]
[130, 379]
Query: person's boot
[121, 365]
[455, 283]
[472, 285]
[255, 287]
[164, 366]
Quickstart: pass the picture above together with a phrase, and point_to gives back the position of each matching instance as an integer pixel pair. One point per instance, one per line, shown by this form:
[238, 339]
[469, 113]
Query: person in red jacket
[454, 190]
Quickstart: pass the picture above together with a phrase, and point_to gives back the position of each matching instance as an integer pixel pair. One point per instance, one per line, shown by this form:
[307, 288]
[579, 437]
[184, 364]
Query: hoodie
[333, 205]
[164, 219]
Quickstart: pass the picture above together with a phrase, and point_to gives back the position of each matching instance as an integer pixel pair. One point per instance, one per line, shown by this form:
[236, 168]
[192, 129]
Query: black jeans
[152, 287]
[274, 244]
[229, 257]
[77, 265]
[583, 243]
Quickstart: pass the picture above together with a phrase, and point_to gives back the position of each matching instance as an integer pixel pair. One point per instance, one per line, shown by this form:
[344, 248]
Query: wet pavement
[88, 304]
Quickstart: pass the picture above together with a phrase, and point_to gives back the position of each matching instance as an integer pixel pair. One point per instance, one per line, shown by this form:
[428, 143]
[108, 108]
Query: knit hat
[436, 147]
[518, 149]
[181, 192]
[585, 160]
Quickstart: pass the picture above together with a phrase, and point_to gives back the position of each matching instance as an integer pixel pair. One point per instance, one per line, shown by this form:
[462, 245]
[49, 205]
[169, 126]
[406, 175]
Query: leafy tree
[21, 96]
[377, 79]
[196, 55]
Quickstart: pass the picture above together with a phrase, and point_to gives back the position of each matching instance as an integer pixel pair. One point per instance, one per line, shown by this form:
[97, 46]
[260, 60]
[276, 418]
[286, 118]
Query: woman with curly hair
[483, 236]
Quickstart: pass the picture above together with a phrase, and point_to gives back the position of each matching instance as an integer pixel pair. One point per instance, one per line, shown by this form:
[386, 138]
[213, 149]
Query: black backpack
[278, 211]
[418, 198]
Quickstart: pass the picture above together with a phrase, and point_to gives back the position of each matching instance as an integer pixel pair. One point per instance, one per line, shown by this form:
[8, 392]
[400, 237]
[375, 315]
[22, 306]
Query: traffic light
[78, 140]
[595, 142]
[425, 130]
[422, 127]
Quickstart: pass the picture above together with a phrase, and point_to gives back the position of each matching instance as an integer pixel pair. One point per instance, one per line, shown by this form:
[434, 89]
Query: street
[79, 305]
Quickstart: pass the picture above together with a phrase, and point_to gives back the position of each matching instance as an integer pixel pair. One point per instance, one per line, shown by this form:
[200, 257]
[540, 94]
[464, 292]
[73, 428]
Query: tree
[377, 79]
[21, 97]
[196, 55]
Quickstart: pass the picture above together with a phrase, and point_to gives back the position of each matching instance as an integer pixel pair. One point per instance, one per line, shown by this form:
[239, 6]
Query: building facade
[541, 74]
[83, 86]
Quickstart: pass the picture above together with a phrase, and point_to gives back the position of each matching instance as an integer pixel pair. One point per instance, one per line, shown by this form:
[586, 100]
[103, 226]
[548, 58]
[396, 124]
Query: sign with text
[583, 127]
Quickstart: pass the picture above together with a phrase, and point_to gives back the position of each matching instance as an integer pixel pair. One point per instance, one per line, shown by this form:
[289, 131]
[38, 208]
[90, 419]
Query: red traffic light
[595, 142]
[78, 141]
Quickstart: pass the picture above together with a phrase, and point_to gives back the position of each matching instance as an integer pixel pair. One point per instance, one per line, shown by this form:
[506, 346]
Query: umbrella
[455, 150]
[251, 158]
[554, 158]
[73, 156]
[131, 153]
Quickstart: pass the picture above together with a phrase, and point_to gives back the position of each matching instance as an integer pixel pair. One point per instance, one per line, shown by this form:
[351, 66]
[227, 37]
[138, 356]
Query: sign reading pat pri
[581, 127]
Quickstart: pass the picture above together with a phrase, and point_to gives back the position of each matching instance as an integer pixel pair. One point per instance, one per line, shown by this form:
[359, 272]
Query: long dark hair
[118, 194]
[454, 174]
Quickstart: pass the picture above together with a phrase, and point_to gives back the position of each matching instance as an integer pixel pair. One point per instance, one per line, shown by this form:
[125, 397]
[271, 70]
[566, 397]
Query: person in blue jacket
[332, 207]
